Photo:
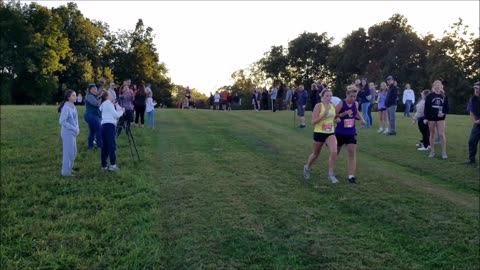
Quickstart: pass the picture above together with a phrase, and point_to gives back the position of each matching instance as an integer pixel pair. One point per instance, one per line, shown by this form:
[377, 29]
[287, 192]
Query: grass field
[224, 190]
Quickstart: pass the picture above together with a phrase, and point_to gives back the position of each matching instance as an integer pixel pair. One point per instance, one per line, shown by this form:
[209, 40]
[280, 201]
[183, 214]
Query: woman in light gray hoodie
[110, 115]
[70, 130]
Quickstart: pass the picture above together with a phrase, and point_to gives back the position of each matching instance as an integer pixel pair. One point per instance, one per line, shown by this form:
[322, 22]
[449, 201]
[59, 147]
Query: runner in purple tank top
[345, 131]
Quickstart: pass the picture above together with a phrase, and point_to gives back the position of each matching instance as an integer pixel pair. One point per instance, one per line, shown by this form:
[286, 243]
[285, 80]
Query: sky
[203, 42]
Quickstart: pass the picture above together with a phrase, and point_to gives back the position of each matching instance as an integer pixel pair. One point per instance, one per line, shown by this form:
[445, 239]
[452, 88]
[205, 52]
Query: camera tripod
[131, 140]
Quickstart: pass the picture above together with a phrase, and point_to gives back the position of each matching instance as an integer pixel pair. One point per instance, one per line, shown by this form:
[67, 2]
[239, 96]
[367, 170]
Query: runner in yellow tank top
[326, 124]
[323, 118]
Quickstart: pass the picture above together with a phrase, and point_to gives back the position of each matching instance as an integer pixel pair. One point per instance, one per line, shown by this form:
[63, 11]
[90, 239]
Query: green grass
[224, 190]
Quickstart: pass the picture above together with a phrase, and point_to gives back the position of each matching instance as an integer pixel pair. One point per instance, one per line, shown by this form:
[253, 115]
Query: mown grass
[224, 190]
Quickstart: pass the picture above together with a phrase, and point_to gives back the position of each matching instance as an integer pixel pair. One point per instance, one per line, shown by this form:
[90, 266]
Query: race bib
[327, 127]
[349, 123]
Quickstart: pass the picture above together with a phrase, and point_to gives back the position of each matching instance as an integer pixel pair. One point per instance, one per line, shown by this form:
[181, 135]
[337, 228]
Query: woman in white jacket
[110, 115]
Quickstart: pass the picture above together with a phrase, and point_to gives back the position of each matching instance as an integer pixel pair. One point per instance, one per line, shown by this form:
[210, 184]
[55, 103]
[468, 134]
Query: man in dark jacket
[391, 104]
[474, 108]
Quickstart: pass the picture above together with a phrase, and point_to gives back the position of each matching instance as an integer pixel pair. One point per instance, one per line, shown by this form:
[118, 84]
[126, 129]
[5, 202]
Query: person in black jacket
[436, 108]
[391, 104]
[474, 108]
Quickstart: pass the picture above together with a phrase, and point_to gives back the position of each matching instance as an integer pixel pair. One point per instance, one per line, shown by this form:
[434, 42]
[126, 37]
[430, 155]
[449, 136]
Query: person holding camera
[125, 100]
[474, 108]
[110, 115]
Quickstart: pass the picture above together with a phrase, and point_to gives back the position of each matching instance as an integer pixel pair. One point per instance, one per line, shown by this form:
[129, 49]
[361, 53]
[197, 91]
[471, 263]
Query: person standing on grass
[323, 117]
[211, 100]
[150, 109]
[110, 114]
[382, 109]
[140, 104]
[69, 132]
[302, 97]
[217, 101]
[474, 108]
[373, 93]
[273, 97]
[391, 104]
[125, 100]
[314, 97]
[288, 98]
[408, 99]
[92, 117]
[419, 117]
[345, 131]
[265, 99]
[112, 90]
[364, 96]
[436, 108]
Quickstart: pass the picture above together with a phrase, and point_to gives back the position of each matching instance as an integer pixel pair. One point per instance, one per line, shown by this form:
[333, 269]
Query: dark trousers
[369, 113]
[280, 103]
[140, 112]
[125, 120]
[273, 105]
[473, 142]
[425, 132]
[93, 122]
[109, 146]
[265, 104]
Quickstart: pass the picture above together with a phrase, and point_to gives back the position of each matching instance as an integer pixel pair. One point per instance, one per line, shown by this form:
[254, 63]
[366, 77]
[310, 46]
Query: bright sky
[202, 43]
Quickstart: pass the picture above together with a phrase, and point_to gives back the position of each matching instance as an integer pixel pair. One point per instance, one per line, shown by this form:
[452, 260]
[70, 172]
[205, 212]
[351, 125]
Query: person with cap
[391, 104]
[92, 116]
[474, 108]
[111, 90]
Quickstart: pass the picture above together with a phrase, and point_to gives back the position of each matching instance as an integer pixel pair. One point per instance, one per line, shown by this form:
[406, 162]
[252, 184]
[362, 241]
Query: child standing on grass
[110, 115]
[419, 117]
[150, 109]
[70, 130]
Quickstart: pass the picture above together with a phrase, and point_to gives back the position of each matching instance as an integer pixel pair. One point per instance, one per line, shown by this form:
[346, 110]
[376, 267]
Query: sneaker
[352, 180]
[332, 178]
[103, 169]
[385, 131]
[113, 168]
[306, 172]
[380, 130]
[444, 156]
[302, 126]
[470, 162]
[431, 155]
[391, 133]
[423, 148]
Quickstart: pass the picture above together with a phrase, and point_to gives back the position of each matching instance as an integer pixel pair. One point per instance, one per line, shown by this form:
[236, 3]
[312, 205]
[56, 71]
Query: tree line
[388, 48]
[46, 51]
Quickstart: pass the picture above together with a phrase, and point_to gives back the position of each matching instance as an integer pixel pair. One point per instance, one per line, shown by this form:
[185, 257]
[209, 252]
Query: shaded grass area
[225, 190]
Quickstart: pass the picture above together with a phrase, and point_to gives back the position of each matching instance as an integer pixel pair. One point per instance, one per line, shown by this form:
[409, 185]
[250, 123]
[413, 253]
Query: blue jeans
[93, 122]
[150, 116]
[370, 114]
[365, 112]
[391, 117]
[109, 146]
[473, 142]
[408, 105]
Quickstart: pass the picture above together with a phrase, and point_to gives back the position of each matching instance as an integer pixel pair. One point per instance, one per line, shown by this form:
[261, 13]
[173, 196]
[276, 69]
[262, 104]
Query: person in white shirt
[79, 99]
[408, 99]
[217, 101]
[150, 109]
[110, 115]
